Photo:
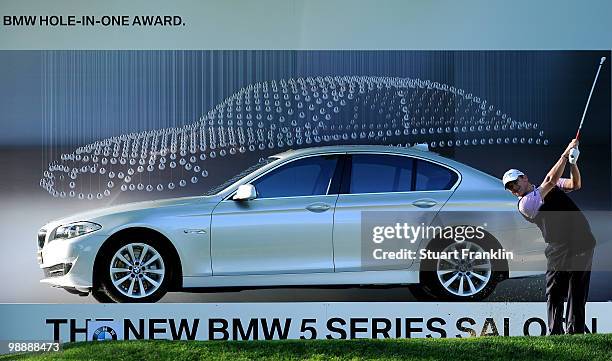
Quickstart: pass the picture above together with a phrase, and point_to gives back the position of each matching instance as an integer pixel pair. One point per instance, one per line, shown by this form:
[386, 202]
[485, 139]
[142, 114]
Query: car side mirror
[245, 192]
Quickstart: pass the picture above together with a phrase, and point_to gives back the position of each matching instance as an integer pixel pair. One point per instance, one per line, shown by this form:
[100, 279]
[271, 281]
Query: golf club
[574, 153]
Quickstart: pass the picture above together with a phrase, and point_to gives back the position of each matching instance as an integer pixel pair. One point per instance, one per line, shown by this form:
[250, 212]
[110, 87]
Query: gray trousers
[567, 276]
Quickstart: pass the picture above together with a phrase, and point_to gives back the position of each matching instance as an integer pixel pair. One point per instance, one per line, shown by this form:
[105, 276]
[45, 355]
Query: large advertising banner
[303, 170]
[182, 130]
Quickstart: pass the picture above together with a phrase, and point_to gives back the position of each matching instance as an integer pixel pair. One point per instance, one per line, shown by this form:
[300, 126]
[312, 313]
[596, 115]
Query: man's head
[516, 182]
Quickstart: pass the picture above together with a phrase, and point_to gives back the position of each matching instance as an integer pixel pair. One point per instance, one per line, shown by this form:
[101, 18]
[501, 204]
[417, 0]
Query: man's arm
[556, 171]
[574, 182]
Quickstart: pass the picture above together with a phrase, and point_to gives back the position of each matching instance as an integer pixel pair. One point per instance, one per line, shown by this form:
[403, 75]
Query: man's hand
[555, 172]
[570, 146]
[573, 156]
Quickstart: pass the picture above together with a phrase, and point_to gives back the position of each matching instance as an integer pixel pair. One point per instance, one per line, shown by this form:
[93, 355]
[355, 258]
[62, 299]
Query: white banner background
[237, 321]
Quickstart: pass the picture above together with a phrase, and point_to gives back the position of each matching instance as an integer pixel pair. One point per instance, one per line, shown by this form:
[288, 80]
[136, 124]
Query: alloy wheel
[464, 278]
[137, 270]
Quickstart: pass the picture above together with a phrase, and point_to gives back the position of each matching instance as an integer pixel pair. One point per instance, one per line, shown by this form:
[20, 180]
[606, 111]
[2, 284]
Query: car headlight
[75, 229]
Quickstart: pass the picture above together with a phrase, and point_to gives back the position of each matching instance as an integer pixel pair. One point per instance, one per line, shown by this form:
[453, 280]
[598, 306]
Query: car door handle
[424, 203]
[195, 231]
[318, 207]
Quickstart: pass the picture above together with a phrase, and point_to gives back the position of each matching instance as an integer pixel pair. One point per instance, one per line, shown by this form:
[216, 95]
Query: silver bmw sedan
[305, 217]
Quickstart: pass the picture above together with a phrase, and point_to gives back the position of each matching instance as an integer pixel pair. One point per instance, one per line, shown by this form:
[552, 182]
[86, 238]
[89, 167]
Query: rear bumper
[527, 246]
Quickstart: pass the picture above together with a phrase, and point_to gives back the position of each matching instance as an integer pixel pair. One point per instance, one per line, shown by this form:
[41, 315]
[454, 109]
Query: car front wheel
[135, 272]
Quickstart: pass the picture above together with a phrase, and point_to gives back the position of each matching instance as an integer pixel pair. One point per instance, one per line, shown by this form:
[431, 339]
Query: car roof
[463, 169]
[418, 151]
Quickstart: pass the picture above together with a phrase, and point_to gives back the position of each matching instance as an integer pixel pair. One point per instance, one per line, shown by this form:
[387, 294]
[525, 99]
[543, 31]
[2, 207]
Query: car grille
[42, 235]
[57, 270]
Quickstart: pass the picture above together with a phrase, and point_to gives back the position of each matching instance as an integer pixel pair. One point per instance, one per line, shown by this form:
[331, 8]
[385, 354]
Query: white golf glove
[573, 155]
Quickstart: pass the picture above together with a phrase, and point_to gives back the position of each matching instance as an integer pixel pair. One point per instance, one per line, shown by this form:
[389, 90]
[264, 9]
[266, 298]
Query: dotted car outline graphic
[288, 113]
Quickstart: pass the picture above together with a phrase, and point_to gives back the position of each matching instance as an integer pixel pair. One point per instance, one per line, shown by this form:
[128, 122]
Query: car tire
[134, 271]
[444, 281]
[100, 295]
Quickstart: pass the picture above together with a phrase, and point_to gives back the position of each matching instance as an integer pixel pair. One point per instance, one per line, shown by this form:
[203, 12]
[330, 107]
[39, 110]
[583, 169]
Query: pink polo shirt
[530, 203]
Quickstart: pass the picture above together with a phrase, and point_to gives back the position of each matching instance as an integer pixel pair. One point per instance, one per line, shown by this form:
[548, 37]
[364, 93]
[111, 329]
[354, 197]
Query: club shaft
[589, 99]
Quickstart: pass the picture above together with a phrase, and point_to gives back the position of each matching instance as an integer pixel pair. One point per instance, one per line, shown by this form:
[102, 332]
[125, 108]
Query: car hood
[93, 215]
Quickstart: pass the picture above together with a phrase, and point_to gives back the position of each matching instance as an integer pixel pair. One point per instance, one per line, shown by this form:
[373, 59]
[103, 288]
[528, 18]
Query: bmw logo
[104, 333]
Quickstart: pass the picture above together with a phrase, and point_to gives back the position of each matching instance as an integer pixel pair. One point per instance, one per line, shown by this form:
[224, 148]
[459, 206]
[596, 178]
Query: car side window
[380, 173]
[433, 177]
[303, 177]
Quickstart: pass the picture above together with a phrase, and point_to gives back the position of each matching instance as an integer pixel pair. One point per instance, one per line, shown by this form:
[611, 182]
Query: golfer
[569, 252]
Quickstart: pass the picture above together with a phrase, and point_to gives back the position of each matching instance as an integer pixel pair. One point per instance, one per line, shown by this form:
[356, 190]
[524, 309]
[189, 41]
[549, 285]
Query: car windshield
[237, 177]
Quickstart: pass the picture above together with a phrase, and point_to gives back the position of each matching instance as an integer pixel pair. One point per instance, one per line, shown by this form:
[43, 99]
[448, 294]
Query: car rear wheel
[458, 279]
[135, 272]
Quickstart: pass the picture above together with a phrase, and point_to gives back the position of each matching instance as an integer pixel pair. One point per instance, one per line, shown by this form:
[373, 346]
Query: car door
[384, 190]
[287, 228]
